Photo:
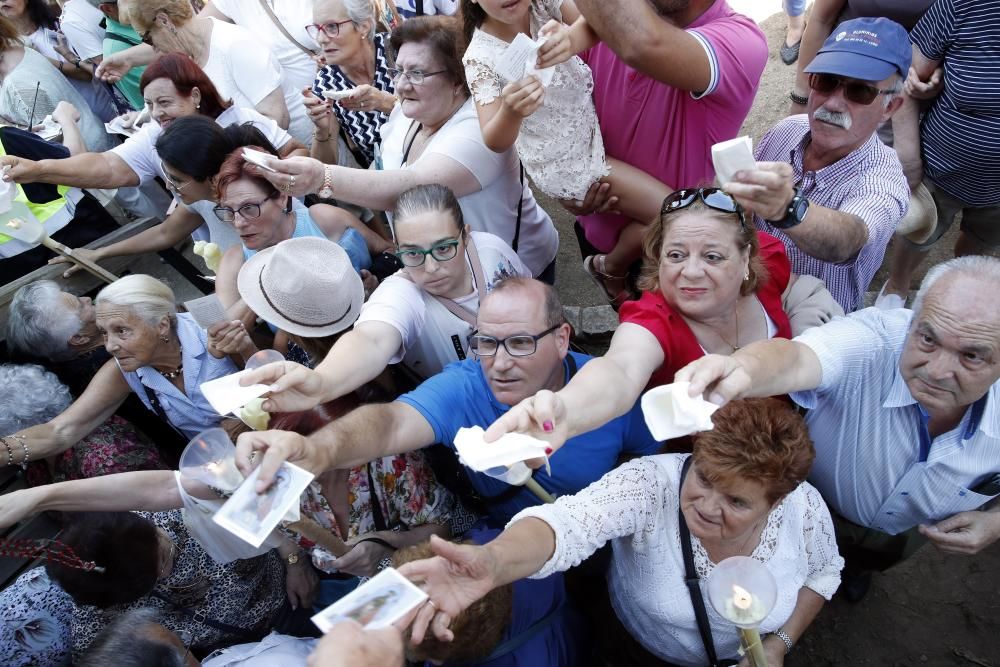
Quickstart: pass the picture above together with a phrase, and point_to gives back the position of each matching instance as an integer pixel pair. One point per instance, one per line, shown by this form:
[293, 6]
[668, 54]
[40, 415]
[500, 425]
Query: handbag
[693, 584]
[279, 26]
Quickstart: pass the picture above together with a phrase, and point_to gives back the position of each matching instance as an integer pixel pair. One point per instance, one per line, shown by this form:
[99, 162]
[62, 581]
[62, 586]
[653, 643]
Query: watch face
[800, 208]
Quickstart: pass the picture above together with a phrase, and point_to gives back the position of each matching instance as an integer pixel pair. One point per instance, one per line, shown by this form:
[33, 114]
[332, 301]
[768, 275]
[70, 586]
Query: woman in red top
[711, 284]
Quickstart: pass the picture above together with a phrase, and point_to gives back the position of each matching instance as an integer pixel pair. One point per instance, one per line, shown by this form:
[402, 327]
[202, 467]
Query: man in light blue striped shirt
[904, 410]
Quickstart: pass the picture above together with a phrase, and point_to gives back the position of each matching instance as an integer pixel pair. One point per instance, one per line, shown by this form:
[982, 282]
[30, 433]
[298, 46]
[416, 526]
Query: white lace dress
[635, 506]
[560, 144]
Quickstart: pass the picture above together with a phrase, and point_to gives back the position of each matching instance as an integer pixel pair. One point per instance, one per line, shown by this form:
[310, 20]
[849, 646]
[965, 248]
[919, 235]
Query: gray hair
[985, 269]
[359, 11]
[554, 314]
[29, 395]
[894, 91]
[123, 644]
[39, 323]
[147, 297]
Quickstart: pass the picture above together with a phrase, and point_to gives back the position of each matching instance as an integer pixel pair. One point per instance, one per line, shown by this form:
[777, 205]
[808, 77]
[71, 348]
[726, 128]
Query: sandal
[594, 266]
[789, 52]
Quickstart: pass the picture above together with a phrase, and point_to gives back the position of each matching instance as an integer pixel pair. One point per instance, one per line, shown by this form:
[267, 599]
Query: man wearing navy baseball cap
[824, 183]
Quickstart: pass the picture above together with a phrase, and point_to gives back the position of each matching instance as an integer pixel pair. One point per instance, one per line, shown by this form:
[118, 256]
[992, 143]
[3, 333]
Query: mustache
[838, 118]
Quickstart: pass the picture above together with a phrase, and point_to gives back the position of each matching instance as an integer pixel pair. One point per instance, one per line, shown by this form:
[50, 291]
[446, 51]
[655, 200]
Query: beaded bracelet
[10, 454]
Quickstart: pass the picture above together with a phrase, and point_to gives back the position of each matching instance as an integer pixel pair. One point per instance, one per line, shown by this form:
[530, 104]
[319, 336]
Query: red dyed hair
[234, 168]
[186, 76]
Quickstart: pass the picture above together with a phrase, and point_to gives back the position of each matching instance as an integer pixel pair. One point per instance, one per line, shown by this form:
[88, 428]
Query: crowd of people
[360, 176]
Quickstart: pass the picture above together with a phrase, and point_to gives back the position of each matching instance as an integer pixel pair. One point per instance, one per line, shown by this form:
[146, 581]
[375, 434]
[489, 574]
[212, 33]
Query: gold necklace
[174, 374]
[726, 340]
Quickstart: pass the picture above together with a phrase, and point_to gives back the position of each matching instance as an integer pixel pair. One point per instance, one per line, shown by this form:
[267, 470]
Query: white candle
[743, 608]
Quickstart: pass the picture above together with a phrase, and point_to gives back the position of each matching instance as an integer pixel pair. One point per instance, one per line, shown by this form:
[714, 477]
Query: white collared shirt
[867, 429]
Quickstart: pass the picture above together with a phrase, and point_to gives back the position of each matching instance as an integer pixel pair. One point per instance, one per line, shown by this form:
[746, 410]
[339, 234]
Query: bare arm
[358, 357]
[906, 122]
[102, 397]
[822, 21]
[175, 228]
[649, 43]
[273, 106]
[67, 116]
[146, 490]
[211, 11]
[765, 368]
[225, 278]
[379, 190]
[88, 170]
[829, 235]
[807, 607]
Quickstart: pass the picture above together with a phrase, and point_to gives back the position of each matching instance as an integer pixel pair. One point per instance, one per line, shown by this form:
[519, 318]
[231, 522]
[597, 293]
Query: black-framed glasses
[442, 252]
[248, 211]
[414, 76]
[855, 91]
[518, 345]
[328, 29]
[714, 198]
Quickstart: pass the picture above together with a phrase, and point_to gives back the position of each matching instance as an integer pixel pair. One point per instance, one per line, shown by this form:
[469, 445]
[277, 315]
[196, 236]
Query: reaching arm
[88, 170]
[617, 378]
[102, 397]
[177, 226]
[273, 106]
[358, 357]
[649, 43]
[765, 368]
[906, 123]
[368, 433]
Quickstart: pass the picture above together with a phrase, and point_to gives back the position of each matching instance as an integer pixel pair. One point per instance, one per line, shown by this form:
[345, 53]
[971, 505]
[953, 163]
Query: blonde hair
[142, 13]
[144, 295]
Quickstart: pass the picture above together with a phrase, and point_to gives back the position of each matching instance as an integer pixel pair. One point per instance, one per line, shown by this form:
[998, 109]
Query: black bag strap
[199, 617]
[160, 412]
[418, 5]
[122, 38]
[692, 581]
[520, 207]
[377, 517]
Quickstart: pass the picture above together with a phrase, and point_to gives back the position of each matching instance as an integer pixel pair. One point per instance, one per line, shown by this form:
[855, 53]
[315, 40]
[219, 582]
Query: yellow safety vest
[53, 215]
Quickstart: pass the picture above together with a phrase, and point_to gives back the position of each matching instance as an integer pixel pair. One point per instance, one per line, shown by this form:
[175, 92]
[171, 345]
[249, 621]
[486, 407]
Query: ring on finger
[432, 604]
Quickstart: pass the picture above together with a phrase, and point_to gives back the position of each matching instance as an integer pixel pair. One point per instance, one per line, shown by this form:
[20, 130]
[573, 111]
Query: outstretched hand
[720, 378]
[541, 416]
[457, 576]
[278, 447]
[293, 387]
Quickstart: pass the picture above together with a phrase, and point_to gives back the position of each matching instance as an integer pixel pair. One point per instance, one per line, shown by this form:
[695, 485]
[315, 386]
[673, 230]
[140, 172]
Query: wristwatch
[292, 558]
[795, 213]
[326, 192]
[783, 636]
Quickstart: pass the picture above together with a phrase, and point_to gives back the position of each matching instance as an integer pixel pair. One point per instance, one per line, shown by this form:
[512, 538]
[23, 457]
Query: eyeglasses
[171, 183]
[442, 252]
[247, 211]
[414, 76]
[714, 198]
[331, 29]
[518, 345]
[854, 91]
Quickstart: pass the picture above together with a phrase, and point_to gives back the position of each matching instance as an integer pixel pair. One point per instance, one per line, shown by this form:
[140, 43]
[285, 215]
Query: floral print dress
[35, 618]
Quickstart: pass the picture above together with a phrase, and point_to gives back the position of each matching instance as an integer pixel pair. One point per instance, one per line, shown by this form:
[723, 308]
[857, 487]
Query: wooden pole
[86, 264]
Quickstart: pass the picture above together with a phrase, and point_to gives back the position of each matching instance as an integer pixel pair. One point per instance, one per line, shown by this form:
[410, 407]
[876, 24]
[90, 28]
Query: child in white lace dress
[555, 129]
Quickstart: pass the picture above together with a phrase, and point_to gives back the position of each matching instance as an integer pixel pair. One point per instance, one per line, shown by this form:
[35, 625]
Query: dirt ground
[934, 609]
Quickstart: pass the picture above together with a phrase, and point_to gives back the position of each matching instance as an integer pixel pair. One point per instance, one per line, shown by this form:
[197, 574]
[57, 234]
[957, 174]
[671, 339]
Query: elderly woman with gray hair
[30, 395]
[160, 355]
[357, 60]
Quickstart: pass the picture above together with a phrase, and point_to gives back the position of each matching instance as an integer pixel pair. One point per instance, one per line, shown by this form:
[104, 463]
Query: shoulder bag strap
[377, 517]
[691, 579]
[520, 207]
[277, 23]
[210, 622]
[158, 409]
[419, 7]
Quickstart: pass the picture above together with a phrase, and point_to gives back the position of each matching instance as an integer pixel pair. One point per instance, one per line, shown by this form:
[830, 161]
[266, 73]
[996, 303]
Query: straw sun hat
[921, 217]
[305, 286]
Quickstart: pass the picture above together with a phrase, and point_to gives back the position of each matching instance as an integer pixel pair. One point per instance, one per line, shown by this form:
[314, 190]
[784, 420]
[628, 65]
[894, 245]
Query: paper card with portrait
[378, 603]
[252, 516]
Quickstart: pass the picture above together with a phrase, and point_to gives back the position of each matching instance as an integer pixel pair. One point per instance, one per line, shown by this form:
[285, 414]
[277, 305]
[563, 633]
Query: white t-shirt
[492, 209]
[408, 8]
[432, 336]
[96, 94]
[295, 15]
[81, 23]
[139, 153]
[245, 73]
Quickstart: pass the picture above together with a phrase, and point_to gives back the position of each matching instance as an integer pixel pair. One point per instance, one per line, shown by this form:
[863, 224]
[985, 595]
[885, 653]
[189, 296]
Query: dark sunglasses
[854, 90]
[714, 198]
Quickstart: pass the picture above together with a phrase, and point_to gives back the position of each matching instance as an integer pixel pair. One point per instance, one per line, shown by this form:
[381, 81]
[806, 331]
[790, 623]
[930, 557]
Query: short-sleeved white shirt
[245, 73]
[433, 337]
[493, 208]
[81, 23]
[295, 15]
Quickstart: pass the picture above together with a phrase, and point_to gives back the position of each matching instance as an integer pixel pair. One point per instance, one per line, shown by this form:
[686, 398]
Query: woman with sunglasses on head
[422, 316]
[711, 284]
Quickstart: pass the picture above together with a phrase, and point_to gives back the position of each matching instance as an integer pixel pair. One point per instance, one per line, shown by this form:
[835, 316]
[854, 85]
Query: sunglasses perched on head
[713, 198]
[855, 91]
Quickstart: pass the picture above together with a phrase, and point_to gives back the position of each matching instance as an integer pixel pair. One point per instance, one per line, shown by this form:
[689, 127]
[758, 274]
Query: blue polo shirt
[459, 396]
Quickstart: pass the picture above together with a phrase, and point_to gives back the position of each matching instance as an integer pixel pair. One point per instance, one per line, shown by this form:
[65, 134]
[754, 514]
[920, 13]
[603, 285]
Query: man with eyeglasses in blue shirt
[521, 346]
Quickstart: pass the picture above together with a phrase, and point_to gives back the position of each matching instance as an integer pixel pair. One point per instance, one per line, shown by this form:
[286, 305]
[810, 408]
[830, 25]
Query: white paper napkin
[671, 413]
[519, 58]
[509, 450]
[226, 395]
[732, 156]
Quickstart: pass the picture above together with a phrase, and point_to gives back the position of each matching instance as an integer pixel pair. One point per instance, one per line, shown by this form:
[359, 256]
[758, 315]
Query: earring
[746, 276]
[198, 106]
[164, 339]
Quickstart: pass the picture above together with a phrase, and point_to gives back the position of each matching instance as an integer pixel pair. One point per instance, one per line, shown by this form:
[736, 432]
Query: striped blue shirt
[961, 132]
[868, 429]
[868, 183]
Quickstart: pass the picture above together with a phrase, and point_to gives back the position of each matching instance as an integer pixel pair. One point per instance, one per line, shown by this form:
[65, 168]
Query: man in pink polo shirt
[671, 78]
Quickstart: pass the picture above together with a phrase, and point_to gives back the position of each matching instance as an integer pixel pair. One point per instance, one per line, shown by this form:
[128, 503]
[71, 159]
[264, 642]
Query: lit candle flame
[742, 598]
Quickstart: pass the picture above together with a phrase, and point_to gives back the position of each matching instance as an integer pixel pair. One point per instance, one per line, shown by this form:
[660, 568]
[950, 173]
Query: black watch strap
[795, 213]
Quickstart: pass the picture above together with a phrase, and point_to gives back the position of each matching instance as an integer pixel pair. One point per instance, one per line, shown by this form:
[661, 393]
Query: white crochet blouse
[635, 506]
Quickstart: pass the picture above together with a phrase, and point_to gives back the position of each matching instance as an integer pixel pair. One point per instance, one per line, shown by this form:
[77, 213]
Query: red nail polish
[547, 427]
[548, 451]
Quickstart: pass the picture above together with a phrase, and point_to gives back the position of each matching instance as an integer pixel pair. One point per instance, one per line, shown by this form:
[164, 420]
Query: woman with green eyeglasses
[422, 316]
[711, 284]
